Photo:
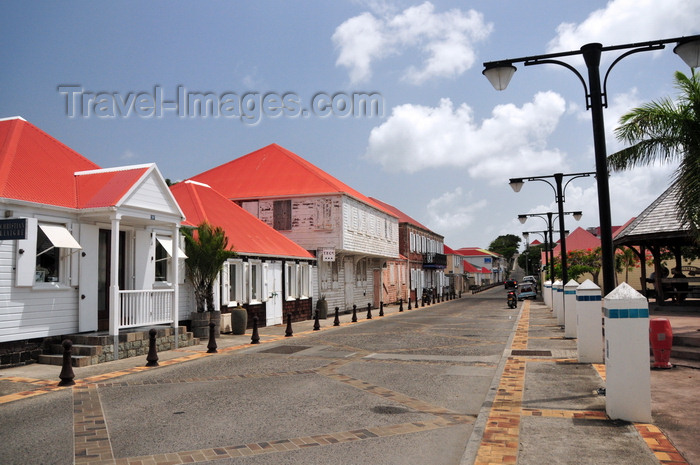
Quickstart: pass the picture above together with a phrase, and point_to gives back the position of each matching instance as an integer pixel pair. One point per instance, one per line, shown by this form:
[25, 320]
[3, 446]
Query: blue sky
[446, 143]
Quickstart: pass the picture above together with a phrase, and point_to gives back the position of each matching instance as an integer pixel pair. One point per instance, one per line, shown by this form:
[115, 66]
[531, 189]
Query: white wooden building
[93, 248]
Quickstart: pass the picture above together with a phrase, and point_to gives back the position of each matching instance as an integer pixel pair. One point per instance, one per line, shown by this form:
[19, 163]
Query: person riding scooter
[512, 299]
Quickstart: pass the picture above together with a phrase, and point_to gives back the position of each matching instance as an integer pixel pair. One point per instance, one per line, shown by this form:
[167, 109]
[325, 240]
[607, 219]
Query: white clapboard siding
[152, 194]
[26, 313]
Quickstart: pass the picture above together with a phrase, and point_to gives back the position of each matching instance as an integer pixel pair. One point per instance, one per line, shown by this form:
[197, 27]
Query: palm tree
[668, 131]
[207, 249]
[626, 260]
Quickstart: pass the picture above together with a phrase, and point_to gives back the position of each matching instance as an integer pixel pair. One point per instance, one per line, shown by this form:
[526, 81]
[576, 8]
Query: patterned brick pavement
[500, 442]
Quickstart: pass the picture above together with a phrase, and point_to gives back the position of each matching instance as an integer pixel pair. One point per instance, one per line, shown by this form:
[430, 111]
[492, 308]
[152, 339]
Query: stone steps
[93, 348]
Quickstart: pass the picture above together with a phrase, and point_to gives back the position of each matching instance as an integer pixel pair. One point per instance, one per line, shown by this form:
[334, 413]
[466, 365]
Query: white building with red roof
[272, 276]
[82, 248]
[488, 263]
[351, 235]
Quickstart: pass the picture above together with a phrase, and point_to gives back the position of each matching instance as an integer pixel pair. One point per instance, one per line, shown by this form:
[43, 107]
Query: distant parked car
[511, 284]
[530, 279]
[526, 291]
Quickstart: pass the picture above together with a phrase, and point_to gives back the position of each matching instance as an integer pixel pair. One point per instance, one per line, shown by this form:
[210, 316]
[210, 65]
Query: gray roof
[657, 223]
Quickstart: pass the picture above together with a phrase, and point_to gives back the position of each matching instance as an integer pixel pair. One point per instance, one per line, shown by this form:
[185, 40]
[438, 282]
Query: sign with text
[328, 255]
[13, 229]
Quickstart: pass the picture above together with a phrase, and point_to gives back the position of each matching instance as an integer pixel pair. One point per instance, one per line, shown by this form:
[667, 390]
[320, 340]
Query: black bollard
[288, 332]
[317, 325]
[409, 300]
[381, 308]
[369, 311]
[460, 294]
[336, 321]
[400, 305]
[67, 374]
[354, 313]
[211, 347]
[152, 357]
[255, 339]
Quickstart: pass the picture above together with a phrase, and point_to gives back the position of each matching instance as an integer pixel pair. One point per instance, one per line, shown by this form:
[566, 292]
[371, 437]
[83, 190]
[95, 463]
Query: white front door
[274, 288]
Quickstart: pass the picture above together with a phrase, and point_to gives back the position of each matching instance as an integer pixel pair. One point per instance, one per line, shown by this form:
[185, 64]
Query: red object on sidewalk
[661, 340]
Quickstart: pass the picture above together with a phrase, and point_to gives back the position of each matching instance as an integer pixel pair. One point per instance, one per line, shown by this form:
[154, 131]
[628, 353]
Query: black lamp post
[562, 235]
[546, 239]
[559, 191]
[500, 72]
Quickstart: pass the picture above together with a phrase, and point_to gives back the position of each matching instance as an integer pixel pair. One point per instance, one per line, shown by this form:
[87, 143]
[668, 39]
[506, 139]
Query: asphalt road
[403, 389]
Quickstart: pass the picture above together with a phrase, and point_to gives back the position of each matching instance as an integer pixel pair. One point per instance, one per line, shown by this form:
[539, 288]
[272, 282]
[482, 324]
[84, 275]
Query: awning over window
[167, 244]
[60, 237]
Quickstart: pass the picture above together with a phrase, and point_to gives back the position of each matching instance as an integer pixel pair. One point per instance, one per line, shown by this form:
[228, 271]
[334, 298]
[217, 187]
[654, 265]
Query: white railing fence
[146, 307]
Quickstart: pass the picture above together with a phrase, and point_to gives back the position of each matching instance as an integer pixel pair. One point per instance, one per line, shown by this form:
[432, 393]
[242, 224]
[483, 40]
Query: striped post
[547, 294]
[570, 309]
[589, 314]
[628, 377]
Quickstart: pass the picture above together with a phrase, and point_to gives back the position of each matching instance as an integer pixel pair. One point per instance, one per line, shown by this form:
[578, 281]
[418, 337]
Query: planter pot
[200, 324]
[322, 309]
[239, 320]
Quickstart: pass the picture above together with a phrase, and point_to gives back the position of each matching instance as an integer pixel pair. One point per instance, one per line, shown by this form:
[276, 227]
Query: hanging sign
[328, 255]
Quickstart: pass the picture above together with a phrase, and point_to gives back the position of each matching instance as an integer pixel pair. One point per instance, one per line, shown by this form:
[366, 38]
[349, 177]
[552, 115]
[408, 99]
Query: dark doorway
[104, 274]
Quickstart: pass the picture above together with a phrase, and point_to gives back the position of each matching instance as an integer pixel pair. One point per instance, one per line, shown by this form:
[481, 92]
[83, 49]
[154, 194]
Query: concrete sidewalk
[546, 408]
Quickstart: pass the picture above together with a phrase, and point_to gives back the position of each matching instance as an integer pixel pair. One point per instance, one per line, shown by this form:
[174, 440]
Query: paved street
[461, 382]
[403, 389]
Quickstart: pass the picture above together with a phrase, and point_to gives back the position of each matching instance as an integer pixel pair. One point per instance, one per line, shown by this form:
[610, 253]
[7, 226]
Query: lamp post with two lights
[500, 72]
[559, 191]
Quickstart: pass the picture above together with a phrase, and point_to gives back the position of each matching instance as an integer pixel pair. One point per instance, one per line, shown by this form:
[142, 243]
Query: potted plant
[322, 307]
[207, 250]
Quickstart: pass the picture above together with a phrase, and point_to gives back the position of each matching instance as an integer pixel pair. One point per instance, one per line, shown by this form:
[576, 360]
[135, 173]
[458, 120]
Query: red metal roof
[403, 218]
[35, 167]
[247, 234]
[579, 239]
[469, 268]
[274, 172]
[448, 250]
[105, 188]
[475, 252]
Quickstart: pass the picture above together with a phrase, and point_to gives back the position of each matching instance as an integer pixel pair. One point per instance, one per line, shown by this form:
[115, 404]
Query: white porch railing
[146, 307]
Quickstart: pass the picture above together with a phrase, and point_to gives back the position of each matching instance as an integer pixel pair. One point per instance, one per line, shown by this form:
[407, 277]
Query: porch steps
[93, 348]
[686, 346]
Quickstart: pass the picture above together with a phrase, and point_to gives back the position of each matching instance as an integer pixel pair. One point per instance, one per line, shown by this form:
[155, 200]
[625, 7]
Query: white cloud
[625, 21]
[453, 212]
[619, 105]
[445, 41]
[631, 191]
[128, 155]
[513, 140]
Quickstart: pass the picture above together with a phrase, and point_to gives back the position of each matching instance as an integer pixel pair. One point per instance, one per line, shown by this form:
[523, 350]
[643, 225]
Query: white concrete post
[558, 301]
[547, 293]
[589, 316]
[569, 309]
[628, 383]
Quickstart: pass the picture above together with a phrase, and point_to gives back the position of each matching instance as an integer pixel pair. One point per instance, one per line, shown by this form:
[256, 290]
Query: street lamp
[562, 233]
[559, 191]
[500, 72]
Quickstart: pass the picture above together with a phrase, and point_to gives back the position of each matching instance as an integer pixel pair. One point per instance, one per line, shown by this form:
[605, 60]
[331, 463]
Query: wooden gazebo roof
[657, 225]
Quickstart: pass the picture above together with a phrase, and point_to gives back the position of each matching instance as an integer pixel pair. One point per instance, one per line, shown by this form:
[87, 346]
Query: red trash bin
[661, 340]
